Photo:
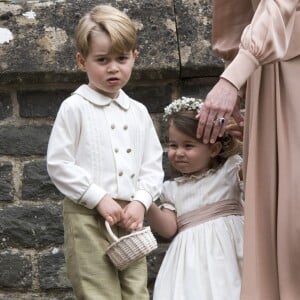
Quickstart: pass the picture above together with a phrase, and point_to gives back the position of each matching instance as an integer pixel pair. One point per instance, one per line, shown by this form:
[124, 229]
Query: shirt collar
[100, 100]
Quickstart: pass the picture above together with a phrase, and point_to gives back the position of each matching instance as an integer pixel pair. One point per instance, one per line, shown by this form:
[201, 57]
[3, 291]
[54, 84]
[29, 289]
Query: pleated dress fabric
[272, 189]
[271, 268]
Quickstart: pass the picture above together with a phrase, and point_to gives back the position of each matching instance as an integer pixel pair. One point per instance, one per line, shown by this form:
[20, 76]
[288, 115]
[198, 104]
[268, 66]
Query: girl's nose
[179, 152]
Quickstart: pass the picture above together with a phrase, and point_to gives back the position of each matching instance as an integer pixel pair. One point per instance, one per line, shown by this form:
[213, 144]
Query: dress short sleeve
[166, 196]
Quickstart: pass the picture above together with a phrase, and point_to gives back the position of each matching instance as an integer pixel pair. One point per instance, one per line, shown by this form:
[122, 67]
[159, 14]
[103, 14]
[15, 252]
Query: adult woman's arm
[264, 40]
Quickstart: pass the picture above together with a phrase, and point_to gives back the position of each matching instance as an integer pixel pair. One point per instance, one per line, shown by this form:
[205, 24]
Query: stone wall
[37, 71]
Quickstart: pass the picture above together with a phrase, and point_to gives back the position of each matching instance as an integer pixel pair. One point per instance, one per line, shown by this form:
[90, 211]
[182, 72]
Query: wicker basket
[127, 249]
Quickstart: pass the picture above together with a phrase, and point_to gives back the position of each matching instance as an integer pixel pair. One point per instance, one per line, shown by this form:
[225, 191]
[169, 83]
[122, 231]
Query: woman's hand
[219, 106]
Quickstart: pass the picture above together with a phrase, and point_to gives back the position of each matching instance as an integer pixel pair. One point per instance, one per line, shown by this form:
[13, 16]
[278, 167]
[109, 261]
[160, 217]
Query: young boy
[105, 157]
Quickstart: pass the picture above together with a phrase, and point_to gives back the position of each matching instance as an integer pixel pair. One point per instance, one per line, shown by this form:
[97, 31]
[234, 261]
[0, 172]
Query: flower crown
[182, 104]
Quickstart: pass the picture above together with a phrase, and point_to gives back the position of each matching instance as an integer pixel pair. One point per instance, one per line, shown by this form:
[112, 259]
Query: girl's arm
[162, 220]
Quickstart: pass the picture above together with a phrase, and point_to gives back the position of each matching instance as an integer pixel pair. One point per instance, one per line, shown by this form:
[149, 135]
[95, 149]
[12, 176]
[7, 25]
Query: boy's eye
[101, 59]
[123, 58]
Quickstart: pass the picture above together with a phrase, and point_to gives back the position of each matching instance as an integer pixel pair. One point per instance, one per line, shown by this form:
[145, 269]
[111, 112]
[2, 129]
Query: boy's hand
[110, 210]
[133, 216]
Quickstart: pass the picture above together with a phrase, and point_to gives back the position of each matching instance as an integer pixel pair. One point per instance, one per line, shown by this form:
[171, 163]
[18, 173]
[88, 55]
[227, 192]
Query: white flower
[182, 104]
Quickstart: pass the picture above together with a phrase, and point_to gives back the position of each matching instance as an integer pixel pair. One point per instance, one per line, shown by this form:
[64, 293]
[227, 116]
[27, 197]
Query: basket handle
[110, 232]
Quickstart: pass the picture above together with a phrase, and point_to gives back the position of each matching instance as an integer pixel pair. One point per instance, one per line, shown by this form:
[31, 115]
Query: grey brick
[16, 271]
[36, 183]
[31, 226]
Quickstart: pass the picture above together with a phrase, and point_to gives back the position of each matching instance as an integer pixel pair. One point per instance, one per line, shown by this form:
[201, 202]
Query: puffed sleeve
[166, 196]
[264, 40]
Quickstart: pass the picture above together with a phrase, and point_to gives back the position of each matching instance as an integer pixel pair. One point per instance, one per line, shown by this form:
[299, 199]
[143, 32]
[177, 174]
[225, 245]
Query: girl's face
[107, 72]
[188, 155]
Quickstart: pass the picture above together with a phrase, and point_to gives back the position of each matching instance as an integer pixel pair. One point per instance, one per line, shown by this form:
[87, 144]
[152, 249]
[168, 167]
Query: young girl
[105, 157]
[203, 205]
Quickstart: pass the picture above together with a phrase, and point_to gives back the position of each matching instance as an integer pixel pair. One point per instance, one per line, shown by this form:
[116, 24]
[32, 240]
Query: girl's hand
[234, 129]
[111, 211]
[133, 216]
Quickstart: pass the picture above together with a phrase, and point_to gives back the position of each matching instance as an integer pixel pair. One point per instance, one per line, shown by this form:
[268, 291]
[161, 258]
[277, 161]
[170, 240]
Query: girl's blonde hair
[105, 18]
[185, 121]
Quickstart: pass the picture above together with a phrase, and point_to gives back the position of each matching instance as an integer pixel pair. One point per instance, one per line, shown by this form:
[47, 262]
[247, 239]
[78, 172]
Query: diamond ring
[221, 121]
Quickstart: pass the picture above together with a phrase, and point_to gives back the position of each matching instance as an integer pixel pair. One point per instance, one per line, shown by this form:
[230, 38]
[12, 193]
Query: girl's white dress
[203, 262]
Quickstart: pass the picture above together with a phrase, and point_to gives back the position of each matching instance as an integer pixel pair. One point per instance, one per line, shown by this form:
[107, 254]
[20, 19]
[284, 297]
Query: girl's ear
[215, 149]
[80, 61]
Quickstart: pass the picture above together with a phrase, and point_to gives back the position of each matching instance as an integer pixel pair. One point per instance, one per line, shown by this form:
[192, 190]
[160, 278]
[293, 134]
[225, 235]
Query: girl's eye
[172, 146]
[189, 146]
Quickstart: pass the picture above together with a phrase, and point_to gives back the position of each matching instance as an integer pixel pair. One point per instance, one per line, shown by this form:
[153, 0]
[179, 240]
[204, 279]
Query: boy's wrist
[141, 204]
[93, 196]
[144, 197]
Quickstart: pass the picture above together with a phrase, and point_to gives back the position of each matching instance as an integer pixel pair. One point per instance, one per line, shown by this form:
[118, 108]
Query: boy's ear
[80, 61]
[136, 54]
[215, 149]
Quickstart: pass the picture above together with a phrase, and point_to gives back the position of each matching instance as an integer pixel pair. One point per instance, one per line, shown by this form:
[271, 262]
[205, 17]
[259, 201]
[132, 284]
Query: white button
[120, 173]
[113, 126]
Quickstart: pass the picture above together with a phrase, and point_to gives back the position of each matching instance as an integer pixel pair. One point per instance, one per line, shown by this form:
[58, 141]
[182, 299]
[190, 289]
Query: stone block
[6, 181]
[16, 270]
[194, 39]
[40, 103]
[44, 30]
[31, 226]
[155, 98]
[5, 106]
[24, 140]
[52, 271]
[36, 183]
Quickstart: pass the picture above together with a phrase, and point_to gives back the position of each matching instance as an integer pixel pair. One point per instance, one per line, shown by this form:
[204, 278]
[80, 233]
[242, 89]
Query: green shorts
[91, 273]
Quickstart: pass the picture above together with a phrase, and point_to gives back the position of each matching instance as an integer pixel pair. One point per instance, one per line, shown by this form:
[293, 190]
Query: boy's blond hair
[105, 18]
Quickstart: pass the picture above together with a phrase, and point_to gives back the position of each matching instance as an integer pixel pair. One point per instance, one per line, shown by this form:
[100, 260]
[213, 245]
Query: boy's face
[107, 72]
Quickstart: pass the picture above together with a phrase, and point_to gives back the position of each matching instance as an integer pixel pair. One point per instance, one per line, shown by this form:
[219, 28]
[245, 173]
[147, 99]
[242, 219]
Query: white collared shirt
[100, 146]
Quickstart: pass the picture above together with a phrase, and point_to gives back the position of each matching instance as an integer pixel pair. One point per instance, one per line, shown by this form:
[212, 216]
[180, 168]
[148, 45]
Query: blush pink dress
[260, 42]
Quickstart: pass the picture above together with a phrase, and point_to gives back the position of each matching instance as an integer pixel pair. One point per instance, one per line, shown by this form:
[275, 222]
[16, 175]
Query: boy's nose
[113, 67]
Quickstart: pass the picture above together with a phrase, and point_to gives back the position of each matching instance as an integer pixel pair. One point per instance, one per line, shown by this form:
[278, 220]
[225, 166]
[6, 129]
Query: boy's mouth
[113, 80]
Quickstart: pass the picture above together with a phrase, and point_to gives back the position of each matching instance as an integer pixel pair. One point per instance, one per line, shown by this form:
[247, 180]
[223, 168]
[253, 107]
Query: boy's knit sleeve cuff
[240, 69]
[92, 196]
[144, 197]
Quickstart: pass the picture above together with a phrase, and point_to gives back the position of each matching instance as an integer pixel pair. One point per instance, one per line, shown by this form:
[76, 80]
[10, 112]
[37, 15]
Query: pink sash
[209, 212]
